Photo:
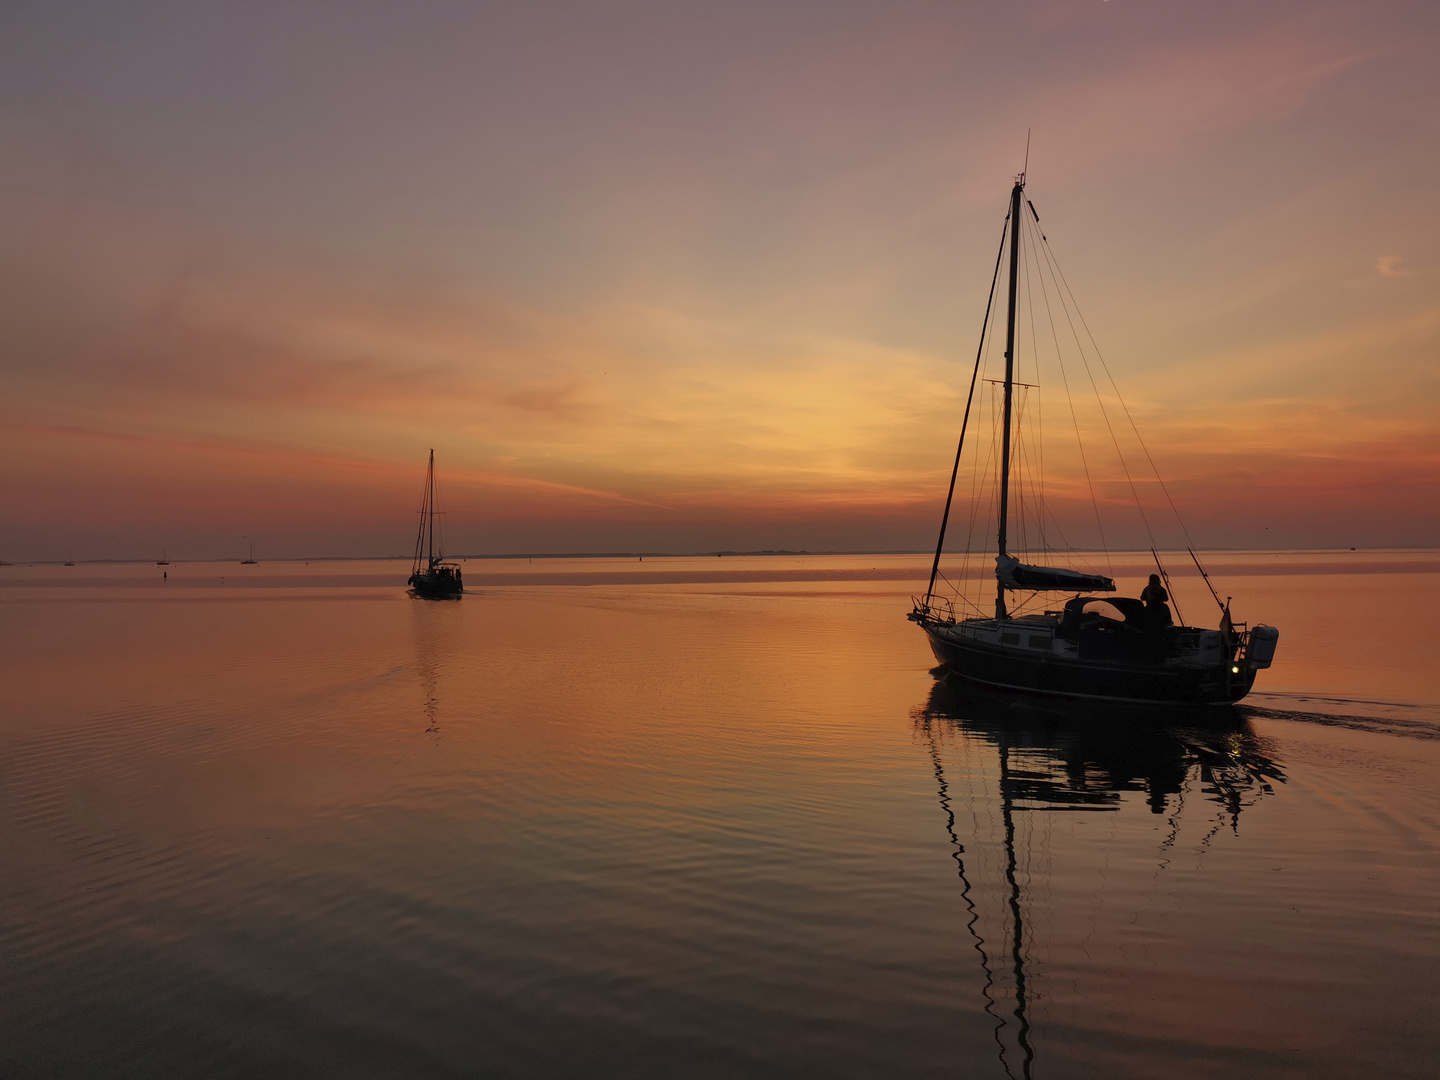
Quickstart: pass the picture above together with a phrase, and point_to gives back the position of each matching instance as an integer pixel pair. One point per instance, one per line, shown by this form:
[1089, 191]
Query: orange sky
[658, 277]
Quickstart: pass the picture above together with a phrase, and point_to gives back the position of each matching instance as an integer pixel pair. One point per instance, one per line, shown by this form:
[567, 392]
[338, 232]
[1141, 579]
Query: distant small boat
[251, 561]
[164, 559]
[70, 561]
[430, 574]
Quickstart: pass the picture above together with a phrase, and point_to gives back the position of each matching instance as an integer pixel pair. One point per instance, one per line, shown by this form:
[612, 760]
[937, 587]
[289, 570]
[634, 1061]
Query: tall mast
[1000, 612]
[430, 504]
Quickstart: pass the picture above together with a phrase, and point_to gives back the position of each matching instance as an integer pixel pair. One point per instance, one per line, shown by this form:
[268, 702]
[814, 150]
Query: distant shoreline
[766, 553]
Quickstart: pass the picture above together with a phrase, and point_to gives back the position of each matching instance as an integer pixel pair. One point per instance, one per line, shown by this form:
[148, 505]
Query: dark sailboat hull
[435, 587]
[1055, 676]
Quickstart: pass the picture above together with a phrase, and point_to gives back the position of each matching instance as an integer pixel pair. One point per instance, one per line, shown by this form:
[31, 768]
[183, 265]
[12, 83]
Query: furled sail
[1017, 575]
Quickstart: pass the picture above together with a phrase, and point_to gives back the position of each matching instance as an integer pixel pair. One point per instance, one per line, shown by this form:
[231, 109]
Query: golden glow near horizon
[659, 280]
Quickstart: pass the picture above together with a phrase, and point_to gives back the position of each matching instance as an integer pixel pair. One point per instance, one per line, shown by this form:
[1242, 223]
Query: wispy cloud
[1391, 266]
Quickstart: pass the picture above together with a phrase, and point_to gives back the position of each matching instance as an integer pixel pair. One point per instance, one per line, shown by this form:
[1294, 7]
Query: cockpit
[1095, 612]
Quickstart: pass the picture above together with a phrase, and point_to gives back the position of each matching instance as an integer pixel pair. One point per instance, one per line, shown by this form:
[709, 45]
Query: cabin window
[1105, 610]
[1009, 639]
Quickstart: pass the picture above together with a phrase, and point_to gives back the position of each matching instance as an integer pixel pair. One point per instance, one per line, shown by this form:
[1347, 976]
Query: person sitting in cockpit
[1157, 611]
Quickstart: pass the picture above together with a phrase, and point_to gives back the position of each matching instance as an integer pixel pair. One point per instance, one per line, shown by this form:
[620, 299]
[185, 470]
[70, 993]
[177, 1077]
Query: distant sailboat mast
[430, 574]
[425, 537]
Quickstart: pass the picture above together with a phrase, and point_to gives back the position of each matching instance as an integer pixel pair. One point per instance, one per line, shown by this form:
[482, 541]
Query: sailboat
[251, 561]
[164, 559]
[1115, 649]
[430, 574]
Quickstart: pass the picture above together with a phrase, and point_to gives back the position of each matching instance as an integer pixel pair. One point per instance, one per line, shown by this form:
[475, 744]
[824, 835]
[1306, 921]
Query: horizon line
[758, 553]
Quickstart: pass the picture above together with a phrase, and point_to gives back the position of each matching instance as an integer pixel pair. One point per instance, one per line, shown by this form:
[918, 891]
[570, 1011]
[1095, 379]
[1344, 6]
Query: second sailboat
[430, 574]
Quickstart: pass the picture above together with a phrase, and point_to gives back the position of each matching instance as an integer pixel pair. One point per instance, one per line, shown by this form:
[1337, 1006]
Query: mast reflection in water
[1023, 909]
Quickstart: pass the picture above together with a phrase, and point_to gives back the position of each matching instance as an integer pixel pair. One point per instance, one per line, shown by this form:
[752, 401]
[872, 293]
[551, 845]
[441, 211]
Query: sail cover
[1017, 575]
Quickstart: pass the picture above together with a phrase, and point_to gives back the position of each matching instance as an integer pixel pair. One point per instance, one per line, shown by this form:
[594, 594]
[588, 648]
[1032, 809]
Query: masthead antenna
[1026, 169]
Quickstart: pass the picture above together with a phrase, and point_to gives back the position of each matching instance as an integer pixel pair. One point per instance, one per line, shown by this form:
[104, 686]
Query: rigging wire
[1105, 415]
[1164, 488]
[1126, 408]
[1075, 422]
[1062, 281]
[1168, 590]
[985, 478]
[1039, 425]
[1045, 511]
[959, 449]
[441, 514]
[1019, 474]
[979, 487]
[1037, 482]
[1031, 437]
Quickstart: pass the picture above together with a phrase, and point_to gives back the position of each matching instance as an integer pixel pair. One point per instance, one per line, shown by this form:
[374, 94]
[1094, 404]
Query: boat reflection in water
[1084, 881]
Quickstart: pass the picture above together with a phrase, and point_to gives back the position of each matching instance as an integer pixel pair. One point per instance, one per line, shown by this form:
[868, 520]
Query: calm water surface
[701, 818]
